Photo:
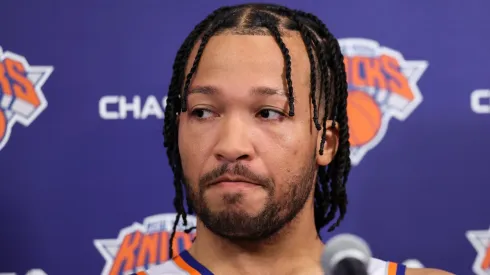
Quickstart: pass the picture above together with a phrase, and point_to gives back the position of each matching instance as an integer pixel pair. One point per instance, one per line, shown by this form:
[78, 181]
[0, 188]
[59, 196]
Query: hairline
[261, 31]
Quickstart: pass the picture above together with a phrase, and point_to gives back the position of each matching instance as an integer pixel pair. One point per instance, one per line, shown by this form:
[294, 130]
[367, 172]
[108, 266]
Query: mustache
[235, 170]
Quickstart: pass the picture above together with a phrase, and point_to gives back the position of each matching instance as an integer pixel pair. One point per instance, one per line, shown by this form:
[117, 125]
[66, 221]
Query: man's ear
[330, 146]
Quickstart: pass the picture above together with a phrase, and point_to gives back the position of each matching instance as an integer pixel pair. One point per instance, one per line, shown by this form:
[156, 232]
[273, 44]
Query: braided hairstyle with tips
[328, 81]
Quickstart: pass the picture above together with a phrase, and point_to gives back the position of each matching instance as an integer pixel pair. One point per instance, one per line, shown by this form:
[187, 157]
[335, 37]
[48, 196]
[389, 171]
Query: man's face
[249, 167]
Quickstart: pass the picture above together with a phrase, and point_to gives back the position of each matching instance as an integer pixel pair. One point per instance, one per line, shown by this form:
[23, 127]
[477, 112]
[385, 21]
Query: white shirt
[185, 264]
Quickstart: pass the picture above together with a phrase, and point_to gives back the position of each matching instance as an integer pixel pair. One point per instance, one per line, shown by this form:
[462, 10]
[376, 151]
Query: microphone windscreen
[344, 246]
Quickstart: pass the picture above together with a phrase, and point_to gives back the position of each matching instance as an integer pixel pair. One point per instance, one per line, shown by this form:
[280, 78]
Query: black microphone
[346, 254]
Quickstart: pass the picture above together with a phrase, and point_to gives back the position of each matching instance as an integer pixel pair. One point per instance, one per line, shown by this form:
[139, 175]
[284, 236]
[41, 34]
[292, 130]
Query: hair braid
[268, 23]
[308, 41]
[204, 41]
[322, 193]
[339, 169]
[340, 166]
[322, 199]
[340, 113]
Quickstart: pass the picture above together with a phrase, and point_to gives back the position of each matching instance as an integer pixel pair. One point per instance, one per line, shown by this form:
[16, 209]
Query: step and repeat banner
[84, 183]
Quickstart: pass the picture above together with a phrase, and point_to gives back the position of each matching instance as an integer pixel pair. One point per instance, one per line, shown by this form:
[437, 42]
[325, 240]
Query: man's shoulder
[376, 267]
[426, 271]
[380, 267]
[167, 268]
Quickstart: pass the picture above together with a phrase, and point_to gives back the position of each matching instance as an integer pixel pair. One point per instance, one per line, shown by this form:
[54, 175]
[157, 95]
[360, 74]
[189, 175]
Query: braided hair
[328, 80]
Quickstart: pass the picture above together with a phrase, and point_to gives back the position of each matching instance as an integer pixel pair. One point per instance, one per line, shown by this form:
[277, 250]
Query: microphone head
[344, 246]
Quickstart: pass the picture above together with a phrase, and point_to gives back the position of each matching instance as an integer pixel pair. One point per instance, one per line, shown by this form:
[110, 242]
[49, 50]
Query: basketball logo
[382, 85]
[364, 118]
[21, 97]
[140, 246]
[480, 239]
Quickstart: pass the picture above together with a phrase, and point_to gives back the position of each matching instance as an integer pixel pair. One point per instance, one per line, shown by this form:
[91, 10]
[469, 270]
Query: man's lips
[230, 180]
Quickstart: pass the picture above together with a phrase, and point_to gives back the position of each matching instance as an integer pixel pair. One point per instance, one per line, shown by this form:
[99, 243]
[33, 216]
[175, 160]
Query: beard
[238, 225]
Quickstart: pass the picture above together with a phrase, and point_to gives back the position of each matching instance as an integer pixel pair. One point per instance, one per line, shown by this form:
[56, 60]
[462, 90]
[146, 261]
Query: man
[257, 136]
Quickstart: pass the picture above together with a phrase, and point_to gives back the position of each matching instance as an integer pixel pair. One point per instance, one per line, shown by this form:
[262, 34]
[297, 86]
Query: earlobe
[331, 144]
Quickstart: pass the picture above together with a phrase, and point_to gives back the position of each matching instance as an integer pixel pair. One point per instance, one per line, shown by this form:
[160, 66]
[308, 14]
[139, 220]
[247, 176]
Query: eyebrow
[259, 90]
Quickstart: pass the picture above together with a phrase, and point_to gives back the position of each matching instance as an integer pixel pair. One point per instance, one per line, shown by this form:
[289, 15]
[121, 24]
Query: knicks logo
[140, 246]
[382, 85]
[480, 239]
[21, 98]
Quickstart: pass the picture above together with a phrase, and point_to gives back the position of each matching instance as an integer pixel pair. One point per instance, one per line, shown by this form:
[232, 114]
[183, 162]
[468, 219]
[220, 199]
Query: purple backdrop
[82, 91]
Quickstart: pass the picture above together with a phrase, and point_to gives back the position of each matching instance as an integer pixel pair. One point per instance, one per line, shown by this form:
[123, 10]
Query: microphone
[346, 254]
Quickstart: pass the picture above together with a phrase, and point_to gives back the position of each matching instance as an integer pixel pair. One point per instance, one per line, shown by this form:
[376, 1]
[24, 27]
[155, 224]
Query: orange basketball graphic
[364, 118]
[3, 125]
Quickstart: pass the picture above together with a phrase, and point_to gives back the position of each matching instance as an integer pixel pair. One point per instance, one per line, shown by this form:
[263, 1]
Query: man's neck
[292, 250]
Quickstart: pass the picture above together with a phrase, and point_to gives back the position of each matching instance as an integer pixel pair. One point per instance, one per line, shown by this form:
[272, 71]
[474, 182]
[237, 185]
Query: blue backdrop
[84, 180]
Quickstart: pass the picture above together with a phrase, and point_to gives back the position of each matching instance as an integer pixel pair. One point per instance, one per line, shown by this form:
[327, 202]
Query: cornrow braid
[270, 23]
[307, 38]
[328, 79]
[204, 42]
[322, 192]
[341, 163]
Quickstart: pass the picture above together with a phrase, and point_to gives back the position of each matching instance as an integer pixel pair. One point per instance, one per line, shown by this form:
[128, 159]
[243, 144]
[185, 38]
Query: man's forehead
[262, 43]
[226, 51]
[256, 90]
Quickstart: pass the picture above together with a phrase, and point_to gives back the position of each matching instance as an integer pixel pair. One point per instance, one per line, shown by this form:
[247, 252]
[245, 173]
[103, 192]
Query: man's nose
[234, 141]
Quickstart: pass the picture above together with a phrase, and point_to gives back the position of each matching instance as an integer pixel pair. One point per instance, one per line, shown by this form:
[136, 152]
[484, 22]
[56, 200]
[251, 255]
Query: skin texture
[239, 128]
[245, 127]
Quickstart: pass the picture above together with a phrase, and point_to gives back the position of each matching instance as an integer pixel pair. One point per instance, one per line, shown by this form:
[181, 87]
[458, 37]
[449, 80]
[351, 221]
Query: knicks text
[382, 74]
[140, 246]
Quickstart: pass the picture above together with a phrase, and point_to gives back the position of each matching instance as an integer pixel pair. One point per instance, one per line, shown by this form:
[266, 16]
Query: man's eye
[201, 113]
[270, 114]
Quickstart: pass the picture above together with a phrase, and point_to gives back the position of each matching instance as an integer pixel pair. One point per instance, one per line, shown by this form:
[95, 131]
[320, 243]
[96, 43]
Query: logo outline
[476, 239]
[37, 75]
[412, 70]
[109, 248]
